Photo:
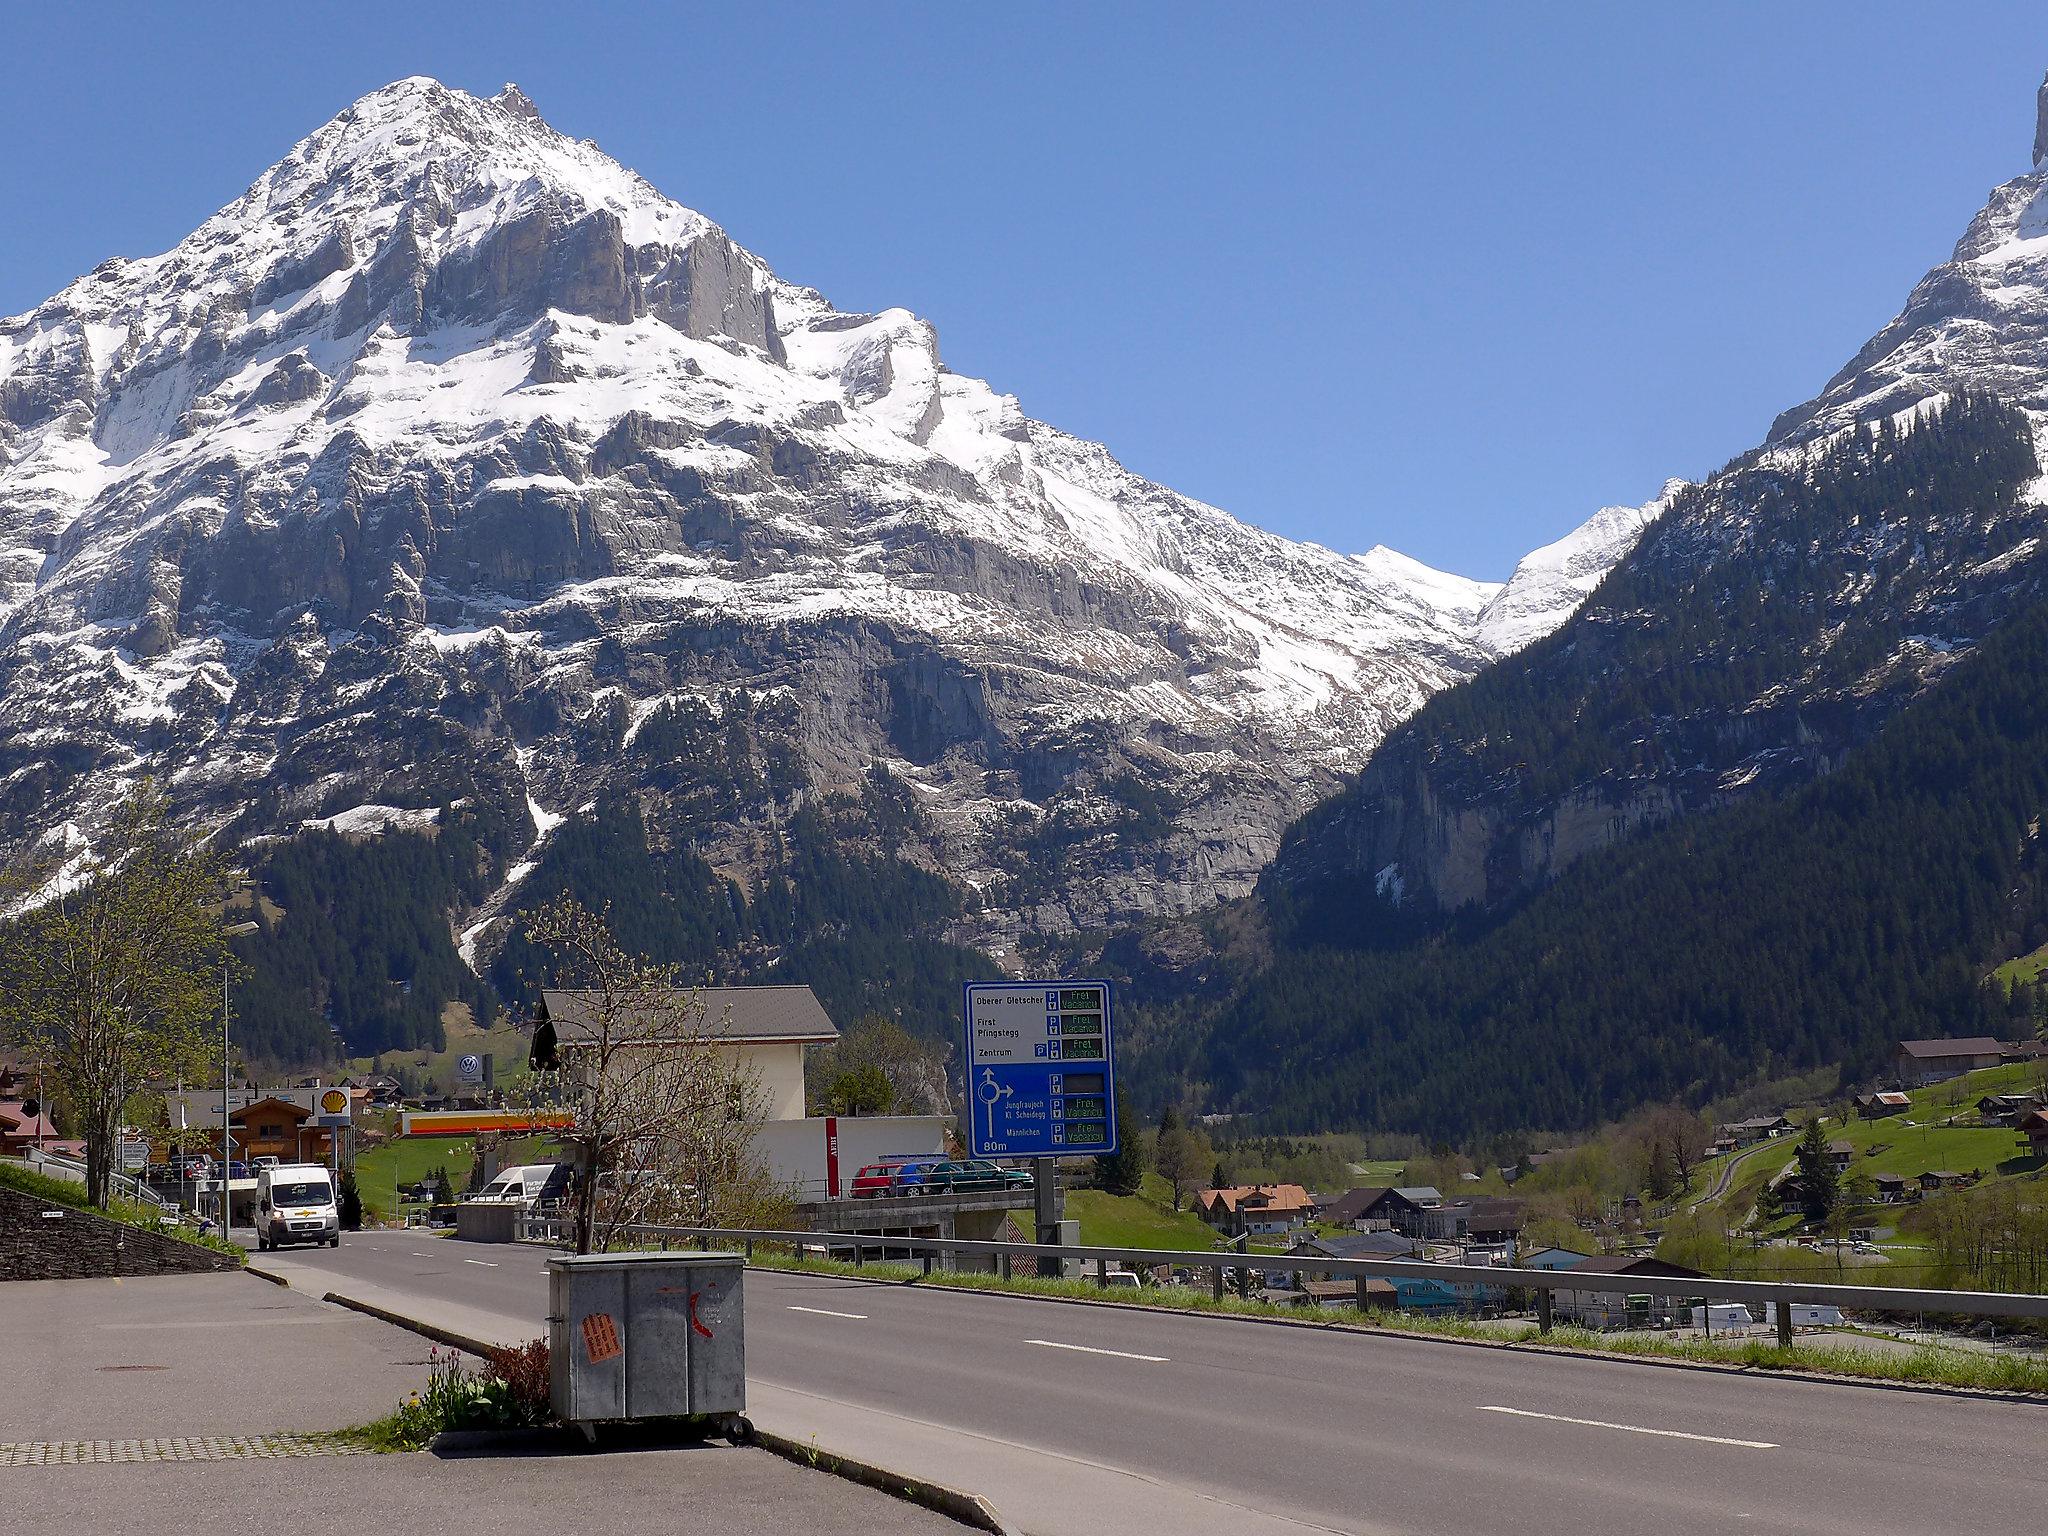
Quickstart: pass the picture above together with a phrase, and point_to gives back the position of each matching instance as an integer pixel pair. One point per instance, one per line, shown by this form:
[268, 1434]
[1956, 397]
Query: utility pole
[227, 1142]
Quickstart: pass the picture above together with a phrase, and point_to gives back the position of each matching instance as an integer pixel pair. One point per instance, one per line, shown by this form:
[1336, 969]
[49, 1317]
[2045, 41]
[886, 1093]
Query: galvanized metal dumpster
[636, 1336]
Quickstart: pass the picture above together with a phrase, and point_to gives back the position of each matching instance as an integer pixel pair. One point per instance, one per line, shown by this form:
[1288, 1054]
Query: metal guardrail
[1542, 1284]
[73, 1171]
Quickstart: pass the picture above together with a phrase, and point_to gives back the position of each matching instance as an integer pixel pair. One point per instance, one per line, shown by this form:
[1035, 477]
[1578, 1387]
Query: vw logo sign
[471, 1068]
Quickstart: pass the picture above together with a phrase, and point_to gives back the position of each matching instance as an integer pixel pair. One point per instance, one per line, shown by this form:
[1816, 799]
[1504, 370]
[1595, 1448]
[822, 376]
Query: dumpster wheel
[737, 1428]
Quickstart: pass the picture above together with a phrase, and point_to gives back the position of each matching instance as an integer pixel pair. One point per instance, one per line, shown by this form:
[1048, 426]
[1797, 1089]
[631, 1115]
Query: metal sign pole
[1045, 1187]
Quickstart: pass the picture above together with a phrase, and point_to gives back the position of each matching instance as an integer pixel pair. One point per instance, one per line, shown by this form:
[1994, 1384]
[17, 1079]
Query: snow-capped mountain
[1768, 622]
[1556, 579]
[453, 453]
[1978, 321]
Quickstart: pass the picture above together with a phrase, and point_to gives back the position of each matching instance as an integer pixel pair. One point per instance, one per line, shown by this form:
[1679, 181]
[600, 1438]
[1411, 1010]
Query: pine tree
[1820, 1187]
[1123, 1171]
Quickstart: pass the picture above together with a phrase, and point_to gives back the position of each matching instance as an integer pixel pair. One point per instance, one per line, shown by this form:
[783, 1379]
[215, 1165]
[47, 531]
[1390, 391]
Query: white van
[526, 1182]
[295, 1204]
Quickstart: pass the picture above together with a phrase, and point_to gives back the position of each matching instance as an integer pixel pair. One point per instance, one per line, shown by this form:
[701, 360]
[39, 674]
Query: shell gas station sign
[335, 1107]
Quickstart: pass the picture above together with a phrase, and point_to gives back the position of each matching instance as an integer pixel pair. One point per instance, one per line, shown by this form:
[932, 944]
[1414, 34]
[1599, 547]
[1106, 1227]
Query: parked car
[240, 1170]
[1125, 1278]
[894, 1176]
[969, 1175]
[265, 1161]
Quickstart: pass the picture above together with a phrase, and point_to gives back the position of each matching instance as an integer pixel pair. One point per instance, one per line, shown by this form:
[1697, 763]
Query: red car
[899, 1176]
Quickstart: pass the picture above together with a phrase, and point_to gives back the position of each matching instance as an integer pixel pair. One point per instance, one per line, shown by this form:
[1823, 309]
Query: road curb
[967, 1508]
[267, 1274]
[1618, 1357]
[468, 1344]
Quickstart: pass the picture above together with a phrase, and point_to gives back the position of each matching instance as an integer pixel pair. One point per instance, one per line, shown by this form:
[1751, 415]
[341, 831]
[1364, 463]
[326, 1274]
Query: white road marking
[1634, 1429]
[1089, 1349]
[858, 1317]
[485, 1263]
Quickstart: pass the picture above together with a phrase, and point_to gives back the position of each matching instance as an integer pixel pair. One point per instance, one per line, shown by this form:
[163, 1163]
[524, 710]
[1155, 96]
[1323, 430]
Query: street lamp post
[227, 1144]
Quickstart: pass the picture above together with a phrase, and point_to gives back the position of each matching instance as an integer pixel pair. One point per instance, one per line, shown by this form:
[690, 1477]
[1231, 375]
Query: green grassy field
[408, 1159]
[1918, 1141]
[1377, 1175]
[1144, 1220]
[2027, 968]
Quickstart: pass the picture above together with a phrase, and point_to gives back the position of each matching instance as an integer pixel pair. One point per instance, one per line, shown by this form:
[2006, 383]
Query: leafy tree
[913, 1070]
[863, 1089]
[1184, 1157]
[114, 981]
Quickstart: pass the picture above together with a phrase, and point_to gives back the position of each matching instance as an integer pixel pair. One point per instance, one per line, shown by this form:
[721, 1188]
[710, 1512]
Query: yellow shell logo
[333, 1102]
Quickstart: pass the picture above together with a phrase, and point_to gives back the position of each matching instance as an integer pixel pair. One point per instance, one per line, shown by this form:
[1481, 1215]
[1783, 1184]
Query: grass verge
[1926, 1366]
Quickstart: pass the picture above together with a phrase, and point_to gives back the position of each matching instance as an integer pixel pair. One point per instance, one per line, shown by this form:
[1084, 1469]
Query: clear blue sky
[1445, 278]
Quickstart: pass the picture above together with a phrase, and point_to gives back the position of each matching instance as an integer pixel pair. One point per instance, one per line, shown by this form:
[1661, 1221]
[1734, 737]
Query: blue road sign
[1041, 1069]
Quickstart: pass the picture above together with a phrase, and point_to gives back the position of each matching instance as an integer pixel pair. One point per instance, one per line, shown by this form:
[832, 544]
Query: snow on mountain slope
[452, 452]
[1550, 583]
[1979, 321]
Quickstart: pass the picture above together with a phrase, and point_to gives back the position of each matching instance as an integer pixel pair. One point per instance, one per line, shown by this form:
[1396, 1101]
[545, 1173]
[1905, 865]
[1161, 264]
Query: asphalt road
[1076, 1418]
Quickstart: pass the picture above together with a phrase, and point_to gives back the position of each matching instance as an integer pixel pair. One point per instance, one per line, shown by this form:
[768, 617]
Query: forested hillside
[1770, 621]
[1772, 936]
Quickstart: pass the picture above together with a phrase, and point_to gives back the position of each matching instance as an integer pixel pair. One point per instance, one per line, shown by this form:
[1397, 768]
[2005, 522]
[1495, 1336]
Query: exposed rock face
[452, 452]
[1977, 321]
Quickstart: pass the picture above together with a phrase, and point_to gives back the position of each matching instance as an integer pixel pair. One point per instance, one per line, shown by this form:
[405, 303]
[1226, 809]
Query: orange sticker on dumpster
[600, 1337]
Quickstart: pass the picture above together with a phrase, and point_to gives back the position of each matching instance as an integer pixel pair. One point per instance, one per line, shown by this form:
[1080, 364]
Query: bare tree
[665, 1114]
[110, 969]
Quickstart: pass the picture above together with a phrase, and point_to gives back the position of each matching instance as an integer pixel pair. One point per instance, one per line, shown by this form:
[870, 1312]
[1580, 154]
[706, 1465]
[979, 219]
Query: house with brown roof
[1261, 1210]
[1372, 1209]
[1917, 1063]
[20, 1130]
[2034, 1126]
[1942, 1178]
[1840, 1155]
[1876, 1106]
[1893, 1188]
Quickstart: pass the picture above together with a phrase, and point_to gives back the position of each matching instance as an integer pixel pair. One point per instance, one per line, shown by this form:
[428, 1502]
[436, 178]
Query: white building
[763, 1033]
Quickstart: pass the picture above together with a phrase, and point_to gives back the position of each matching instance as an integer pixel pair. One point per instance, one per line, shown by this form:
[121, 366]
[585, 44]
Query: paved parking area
[711, 1489]
[194, 1355]
[167, 1402]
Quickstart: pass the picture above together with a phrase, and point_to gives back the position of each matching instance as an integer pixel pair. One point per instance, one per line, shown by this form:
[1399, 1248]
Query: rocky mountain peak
[452, 454]
[2041, 124]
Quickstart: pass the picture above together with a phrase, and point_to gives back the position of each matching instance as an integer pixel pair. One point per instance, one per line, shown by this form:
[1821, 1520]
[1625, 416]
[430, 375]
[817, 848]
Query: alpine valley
[454, 520]
[1770, 801]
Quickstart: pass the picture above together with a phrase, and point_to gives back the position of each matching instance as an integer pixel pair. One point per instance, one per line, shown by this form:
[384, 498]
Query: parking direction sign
[1041, 1069]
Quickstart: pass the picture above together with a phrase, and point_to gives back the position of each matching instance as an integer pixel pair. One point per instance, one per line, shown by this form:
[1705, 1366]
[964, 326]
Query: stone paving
[58, 1453]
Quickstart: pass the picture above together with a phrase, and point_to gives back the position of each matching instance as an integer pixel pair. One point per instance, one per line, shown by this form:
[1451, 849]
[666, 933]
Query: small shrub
[524, 1374]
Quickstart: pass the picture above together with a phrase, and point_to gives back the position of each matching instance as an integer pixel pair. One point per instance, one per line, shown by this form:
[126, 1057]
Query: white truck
[295, 1204]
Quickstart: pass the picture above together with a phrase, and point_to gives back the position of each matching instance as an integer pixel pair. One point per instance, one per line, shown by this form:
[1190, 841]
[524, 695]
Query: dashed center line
[1633, 1429]
[484, 1263]
[1089, 1349]
[858, 1317]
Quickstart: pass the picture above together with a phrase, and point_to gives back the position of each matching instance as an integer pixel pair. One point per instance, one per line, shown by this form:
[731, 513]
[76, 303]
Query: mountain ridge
[431, 467]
